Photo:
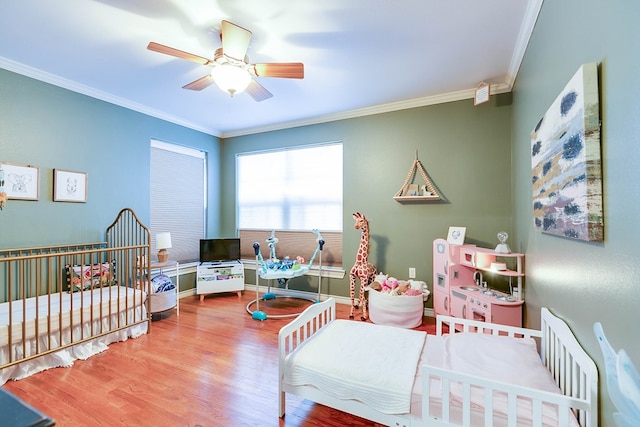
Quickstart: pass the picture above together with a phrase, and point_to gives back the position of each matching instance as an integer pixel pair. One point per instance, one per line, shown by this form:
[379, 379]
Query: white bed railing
[449, 402]
[457, 325]
[294, 334]
[573, 370]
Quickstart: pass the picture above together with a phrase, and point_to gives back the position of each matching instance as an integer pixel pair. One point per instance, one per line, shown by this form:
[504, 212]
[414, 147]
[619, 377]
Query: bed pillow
[89, 276]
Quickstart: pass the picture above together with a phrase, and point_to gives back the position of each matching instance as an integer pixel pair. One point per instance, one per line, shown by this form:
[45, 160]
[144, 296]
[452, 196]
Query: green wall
[585, 282]
[465, 150]
[50, 127]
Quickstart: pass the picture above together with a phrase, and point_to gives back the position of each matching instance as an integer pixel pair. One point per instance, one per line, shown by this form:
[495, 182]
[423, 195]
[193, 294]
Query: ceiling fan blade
[235, 40]
[157, 47]
[289, 70]
[201, 83]
[257, 91]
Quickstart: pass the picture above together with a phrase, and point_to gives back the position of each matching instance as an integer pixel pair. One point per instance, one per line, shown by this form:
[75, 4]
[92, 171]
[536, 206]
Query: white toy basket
[396, 310]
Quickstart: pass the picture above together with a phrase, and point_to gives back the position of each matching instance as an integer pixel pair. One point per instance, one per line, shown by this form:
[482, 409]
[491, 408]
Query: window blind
[178, 186]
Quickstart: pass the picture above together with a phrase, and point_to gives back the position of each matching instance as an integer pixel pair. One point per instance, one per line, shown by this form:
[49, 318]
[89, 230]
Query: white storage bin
[162, 301]
[396, 310]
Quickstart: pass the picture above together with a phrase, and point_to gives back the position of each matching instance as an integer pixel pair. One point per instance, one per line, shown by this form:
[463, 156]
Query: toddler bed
[68, 302]
[479, 374]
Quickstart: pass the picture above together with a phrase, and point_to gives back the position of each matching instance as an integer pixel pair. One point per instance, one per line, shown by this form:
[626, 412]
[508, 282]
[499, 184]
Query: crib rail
[573, 370]
[537, 401]
[292, 335]
[55, 297]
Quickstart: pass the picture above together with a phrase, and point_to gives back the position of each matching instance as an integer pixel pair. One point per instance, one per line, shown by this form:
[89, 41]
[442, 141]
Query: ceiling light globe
[230, 78]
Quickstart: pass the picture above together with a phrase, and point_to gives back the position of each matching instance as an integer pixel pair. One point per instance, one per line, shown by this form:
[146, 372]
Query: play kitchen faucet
[478, 279]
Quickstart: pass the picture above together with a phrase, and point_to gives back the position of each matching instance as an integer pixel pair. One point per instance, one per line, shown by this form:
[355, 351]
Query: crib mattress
[84, 314]
[76, 308]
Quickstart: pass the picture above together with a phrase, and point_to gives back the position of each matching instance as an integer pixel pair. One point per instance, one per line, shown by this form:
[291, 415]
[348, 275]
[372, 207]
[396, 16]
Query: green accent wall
[585, 282]
[465, 150]
[54, 128]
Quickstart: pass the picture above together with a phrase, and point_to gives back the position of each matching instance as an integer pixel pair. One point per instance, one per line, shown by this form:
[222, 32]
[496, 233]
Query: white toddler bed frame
[574, 373]
[67, 302]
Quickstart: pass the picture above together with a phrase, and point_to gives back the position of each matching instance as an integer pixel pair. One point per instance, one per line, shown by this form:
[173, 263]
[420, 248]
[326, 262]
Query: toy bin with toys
[397, 303]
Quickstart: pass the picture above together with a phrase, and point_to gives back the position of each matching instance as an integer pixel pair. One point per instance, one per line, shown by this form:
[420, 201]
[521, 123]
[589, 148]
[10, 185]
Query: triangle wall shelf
[415, 192]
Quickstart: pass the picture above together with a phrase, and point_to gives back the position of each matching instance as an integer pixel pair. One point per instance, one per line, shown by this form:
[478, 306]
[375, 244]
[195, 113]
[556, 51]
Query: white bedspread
[336, 362]
[108, 307]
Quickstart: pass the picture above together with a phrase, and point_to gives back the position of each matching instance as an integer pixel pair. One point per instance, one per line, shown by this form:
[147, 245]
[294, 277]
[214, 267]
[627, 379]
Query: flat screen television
[219, 250]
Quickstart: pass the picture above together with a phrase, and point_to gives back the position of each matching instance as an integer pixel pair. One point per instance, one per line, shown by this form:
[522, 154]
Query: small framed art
[456, 235]
[20, 182]
[482, 93]
[69, 186]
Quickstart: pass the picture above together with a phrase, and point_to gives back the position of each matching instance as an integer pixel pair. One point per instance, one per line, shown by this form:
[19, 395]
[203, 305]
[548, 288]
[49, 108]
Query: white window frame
[298, 235]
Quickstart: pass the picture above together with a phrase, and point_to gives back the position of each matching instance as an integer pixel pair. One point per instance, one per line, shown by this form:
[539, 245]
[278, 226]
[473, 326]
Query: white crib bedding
[374, 364]
[108, 307]
[499, 358]
[380, 366]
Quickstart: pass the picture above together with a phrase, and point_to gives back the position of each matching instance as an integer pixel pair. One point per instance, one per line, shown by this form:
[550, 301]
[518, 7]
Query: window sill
[331, 272]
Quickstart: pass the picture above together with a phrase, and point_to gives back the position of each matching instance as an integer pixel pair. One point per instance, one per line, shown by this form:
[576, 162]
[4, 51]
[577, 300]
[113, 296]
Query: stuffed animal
[418, 285]
[377, 282]
[390, 286]
[403, 287]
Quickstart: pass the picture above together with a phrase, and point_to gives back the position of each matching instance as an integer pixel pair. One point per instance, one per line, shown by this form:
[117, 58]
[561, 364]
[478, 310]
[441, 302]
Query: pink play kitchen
[460, 276]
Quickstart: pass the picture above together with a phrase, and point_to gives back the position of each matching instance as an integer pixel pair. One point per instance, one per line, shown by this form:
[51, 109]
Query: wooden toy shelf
[415, 192]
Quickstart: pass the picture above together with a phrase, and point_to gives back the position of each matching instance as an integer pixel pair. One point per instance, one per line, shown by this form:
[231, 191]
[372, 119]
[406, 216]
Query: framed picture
[456, 235]
[20, 182]
[69, 186]
[482, 93]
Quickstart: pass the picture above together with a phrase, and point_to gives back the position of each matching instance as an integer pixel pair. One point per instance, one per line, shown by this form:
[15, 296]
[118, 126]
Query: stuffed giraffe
[361, 269]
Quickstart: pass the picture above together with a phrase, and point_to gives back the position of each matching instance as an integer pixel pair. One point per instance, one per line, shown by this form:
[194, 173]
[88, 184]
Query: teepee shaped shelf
[415, 192]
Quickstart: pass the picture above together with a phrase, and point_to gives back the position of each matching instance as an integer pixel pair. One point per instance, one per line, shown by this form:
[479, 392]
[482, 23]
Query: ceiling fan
[231, 69]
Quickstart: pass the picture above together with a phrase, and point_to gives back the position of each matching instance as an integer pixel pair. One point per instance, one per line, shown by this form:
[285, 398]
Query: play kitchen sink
[484, 304]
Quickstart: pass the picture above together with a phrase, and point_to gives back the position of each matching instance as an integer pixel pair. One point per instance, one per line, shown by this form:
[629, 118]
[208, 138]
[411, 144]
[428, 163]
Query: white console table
[214, 277]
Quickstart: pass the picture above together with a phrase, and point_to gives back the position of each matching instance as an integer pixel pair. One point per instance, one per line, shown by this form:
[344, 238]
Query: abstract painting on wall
[565, 161]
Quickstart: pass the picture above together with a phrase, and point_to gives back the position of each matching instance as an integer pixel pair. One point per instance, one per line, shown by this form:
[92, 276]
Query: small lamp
[163, 242]
[502, 247]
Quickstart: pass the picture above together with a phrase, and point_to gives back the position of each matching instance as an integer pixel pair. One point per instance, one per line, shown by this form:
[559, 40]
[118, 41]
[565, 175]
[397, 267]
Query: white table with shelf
[214, 277]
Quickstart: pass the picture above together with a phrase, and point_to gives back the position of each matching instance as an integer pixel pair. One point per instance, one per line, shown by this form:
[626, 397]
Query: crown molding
[368, 111]
[55, 80]
[344, 115]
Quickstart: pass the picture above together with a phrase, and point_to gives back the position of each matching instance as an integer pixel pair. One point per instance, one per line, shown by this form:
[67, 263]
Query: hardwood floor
[211, 366]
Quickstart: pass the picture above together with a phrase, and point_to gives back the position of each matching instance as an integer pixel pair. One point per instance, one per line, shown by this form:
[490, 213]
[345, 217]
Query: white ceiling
[361, 56]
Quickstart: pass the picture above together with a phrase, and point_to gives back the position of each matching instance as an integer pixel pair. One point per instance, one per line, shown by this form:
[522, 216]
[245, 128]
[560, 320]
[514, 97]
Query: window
[178, 190]
[292, 191]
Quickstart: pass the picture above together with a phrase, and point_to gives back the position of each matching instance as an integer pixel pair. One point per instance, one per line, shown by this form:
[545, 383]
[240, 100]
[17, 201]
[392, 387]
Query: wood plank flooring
[211, 366]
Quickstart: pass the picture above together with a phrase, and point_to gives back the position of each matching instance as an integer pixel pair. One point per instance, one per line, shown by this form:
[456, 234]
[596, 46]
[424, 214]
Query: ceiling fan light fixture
[231, 78]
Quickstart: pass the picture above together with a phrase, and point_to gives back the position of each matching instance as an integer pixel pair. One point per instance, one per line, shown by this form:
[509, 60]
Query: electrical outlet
[412, 273]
